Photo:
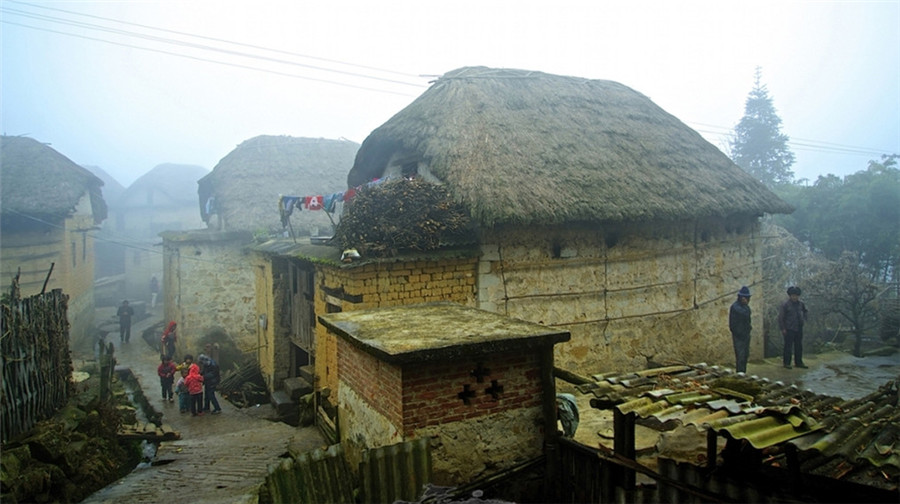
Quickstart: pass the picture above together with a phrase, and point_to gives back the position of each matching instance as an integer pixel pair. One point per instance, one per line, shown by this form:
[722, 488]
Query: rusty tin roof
[854, 440]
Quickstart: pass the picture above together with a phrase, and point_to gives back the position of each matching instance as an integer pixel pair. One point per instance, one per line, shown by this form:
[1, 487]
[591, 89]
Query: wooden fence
[37, 365]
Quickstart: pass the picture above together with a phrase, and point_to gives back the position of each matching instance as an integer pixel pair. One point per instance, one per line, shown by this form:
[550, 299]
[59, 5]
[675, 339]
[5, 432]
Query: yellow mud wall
[629, 295]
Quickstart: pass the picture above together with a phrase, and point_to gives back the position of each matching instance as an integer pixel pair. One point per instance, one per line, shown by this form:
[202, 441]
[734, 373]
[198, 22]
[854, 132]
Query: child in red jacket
[166, 372]
[194, 382]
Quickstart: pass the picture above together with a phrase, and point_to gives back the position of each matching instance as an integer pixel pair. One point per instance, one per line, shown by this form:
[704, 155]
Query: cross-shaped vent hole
[466, 395]
[494, 390]
[480, 372]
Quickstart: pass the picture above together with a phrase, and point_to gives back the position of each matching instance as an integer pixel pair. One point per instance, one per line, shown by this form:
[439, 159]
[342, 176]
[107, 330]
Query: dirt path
[219, 458]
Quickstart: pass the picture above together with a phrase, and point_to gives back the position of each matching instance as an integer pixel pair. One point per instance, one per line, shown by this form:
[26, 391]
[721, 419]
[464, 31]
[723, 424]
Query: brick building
[479, 385]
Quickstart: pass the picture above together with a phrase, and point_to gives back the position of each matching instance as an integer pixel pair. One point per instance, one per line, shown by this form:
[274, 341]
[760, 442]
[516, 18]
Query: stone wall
[629, 295]
[209, 282]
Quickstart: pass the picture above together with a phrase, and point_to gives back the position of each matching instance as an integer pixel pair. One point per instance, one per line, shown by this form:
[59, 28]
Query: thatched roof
[524, 147]
[247, 183]
[170, 185]
[40, 182]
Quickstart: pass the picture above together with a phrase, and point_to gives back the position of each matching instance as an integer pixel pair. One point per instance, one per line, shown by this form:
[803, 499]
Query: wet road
[219, 458]
[834, 373]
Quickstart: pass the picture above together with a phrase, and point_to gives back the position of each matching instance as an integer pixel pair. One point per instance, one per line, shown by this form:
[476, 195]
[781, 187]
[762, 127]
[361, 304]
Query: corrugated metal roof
[855, 440]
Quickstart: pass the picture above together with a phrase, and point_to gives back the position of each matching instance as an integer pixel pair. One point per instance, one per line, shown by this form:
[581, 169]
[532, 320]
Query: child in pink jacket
[194, 382]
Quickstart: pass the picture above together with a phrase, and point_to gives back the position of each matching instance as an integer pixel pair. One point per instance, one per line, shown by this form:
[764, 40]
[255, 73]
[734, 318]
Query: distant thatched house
[208, 279]
[50, 205]
[163, 199]
[598, 211]
[242, 191]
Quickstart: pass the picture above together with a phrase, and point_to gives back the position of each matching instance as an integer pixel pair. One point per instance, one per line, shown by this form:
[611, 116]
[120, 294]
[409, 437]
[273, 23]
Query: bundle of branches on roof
[397, 215]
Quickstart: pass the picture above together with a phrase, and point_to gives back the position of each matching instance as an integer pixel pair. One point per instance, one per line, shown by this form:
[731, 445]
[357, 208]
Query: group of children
[196, 388]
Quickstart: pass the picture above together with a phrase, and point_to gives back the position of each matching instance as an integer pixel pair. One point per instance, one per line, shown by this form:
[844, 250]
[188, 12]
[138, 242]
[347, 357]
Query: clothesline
[287, 204]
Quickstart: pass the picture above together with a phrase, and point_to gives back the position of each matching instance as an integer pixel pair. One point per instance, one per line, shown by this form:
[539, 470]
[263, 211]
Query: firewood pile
[244, 386]
[400, 215]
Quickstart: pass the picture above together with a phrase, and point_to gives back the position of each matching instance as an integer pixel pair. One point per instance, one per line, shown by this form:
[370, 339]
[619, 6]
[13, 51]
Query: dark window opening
[611, 240]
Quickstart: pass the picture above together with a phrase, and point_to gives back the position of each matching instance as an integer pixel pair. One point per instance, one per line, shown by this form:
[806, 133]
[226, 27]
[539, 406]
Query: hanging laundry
[286, 205]
[331, 200]
[313, 202]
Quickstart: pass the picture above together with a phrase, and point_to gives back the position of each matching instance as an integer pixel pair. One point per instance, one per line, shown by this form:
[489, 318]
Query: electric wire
[236, 65]
[252, 46]
[196, 46]
[806, 145]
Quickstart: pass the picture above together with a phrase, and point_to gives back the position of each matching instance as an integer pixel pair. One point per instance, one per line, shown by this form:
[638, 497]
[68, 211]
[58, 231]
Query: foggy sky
[129, 85]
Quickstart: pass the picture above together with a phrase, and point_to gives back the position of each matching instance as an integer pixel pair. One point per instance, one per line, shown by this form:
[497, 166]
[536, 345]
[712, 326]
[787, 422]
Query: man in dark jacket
[740, 326]
[211, 378]
[125, 313]
[791, 317]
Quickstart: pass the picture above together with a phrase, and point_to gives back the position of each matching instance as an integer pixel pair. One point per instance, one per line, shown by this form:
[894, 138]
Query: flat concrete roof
[434, 331]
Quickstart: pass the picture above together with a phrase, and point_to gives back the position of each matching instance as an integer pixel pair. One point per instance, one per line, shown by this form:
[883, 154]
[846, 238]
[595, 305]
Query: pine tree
[758, 145]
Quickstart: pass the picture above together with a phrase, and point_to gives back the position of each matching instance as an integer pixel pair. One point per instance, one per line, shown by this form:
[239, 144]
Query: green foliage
[397, 215]
[759, 146]
[860, 212]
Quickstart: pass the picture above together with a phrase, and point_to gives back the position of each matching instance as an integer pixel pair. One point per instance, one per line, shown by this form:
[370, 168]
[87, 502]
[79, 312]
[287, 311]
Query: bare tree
[846, 289]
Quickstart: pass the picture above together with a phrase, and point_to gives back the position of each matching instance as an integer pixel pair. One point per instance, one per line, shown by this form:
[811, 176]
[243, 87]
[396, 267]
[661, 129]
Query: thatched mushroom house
[242, 191]
[208, 279]
[163, 199]
[50, 205]
[597, 211]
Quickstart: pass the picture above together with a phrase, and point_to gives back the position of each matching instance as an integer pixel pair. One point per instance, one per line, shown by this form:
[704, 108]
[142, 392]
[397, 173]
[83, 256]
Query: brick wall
[378, 382]
[469, 440]
[431, 390]
[404, 282]
[376, 285]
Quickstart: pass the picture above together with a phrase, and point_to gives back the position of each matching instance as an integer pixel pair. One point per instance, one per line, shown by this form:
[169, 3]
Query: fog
[126, 86]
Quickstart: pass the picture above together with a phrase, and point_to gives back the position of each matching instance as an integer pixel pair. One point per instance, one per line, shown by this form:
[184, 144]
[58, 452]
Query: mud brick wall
[628, 294]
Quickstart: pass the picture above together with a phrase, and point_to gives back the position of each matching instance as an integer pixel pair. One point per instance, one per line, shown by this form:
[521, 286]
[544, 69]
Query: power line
[163, 40]
[127, 243]
[280, 51]
[810, 145]
[721, 131]
[197, 58]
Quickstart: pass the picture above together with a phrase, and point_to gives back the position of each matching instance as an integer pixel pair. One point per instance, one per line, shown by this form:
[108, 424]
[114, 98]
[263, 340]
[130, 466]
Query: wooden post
[551, 443]
[711, 448]
[623, 445]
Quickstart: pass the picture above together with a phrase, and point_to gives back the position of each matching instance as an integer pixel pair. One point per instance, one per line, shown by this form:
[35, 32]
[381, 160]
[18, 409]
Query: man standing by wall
[791, 317]
[740, 326]
[125, 313]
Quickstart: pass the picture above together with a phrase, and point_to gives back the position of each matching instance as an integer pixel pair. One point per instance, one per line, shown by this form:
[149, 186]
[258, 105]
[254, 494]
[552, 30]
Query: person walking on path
[184, 397]
[166, 372]
[169, 337]
[211, 377]
[154, 291]
[791, 317]
[125, 313]
[194, 382]
[740, 325]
